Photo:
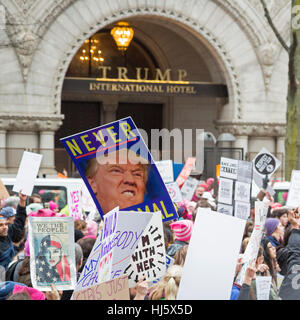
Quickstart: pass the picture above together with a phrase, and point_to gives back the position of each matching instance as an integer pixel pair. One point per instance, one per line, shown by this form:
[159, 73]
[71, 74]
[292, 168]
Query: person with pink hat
[182, 230]
[202, 187]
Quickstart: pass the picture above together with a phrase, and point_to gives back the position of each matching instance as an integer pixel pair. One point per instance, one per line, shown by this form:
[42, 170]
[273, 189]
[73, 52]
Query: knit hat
[34, 293]
[53, 205]
[203, 185]
[33, 207]
[8, 212]
[210, 181]
[42, 213]
[182, 229]
[6, 288]
[270, 225]
[92, 228]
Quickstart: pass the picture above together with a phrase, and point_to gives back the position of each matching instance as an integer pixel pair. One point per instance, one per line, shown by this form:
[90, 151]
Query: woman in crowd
[274, 231]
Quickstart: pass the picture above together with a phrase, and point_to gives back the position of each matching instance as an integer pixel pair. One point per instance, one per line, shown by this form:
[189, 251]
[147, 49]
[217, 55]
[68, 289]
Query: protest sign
[225, 191]
[225, 208]
[242, 191]
[115, 289]
[169, 263]
[165, 169]
[250, 254]
[174, 191]
[114, 247]
[52, 252]
[293, 199]
[186, 171]
[3, 191]
[189, 187]
[75, 202]
[263, 286]
[242, 210]
[209, 266]
[265, 163]
[228, 168]
[118, 169]
[244, 172]
[27, 172]
[148, 258]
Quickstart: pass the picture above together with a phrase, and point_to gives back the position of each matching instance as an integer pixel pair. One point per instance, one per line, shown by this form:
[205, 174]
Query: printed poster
[242, 191]
[174, 192]
[225, 208]
[118, 169]
[228, 168]
[265, 163]
[244, 172]
[52, 253]
[225, 191]
[165, 168]
[263, 286]
[148, 258]
[115, 289]
[242, 210]
[189, 187]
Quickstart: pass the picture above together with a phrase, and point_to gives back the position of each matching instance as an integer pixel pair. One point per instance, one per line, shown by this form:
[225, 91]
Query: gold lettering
[104, 71]
[138, 73]
[166, 76]
[181, 74]
[122, 73]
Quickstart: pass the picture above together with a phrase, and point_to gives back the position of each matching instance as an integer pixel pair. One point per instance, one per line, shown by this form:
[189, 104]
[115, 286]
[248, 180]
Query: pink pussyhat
[182, 229]
[34, 293]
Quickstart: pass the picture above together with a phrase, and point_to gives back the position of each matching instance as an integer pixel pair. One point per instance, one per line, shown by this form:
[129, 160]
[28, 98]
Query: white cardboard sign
[228, 168]
[263, 286]
[225, 191]
[293, 199]
[27, 173]
[174, 191]
[189, 187]
[165, 168]
[210, 265]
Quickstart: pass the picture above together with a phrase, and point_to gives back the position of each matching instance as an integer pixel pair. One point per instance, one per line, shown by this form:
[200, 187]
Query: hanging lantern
[122, 34]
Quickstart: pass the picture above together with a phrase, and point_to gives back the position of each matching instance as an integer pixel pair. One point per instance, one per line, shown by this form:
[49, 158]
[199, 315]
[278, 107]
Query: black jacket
[290, 287]
[15, 234]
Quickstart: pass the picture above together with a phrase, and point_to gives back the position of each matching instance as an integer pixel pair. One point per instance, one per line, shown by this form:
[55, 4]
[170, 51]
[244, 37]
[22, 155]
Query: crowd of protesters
[278, 255]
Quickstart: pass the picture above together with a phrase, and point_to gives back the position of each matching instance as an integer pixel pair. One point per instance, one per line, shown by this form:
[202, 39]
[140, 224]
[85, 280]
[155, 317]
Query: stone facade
[40, 37]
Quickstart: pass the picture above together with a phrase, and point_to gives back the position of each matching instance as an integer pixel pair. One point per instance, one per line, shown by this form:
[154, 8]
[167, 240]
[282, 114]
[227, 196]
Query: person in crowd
[23, 272]
[282, 252]
[210, 185]
[81, 225]
[86, 245]
[290, 288]
[248, 229]
[92, 228]
[140, 291]
[34, 207]
[282, 215]
[35, 198]
[202, 187]
[10, 233]
[167, 287]
[244, 244]
[180, 255]
[12, 201]
[274, 231]
[53, 206]
[9, 213]
[182, 231]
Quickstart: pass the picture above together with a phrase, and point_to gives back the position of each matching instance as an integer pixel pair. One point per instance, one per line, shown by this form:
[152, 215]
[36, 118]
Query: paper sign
[75, 202]
[189, 187]
[116, 289]
[293, 199]
[244, 172]
[3, 191]
[265, 163]
[209, 266]
[169, 263]
[224, 208]
[148, 258]
[225, 191]
[186, 171]
[174, 191]
[242, 210]
[118, 169]
[228, 168]
[242, 191]
[263, 286]
[52, 252]
[114, 247]
[165, 168]
[27, 173]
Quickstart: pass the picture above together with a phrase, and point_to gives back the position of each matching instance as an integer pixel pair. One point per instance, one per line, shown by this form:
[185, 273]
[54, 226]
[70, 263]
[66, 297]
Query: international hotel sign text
[161, 85]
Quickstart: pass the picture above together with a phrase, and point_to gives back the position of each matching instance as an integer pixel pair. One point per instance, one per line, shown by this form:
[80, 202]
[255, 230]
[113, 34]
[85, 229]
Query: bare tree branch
[276, 32]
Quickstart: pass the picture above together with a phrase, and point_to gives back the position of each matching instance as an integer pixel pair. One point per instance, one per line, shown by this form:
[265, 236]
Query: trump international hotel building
[189, 64]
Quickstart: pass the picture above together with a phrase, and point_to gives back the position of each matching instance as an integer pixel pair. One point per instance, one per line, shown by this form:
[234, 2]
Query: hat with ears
[270, 225]
[34, 293]
[182, 229]
[42, 213]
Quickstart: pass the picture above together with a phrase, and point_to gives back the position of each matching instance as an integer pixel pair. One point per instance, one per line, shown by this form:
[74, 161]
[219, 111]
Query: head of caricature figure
[118, 178]
[52, 250]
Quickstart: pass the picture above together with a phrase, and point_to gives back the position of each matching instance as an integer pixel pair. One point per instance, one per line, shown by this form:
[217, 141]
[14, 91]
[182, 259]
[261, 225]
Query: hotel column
[109, 109]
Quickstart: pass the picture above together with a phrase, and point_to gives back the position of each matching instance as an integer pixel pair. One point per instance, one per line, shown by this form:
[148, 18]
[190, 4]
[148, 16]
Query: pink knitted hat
[53, 205]
[34, 293]
[182, 229]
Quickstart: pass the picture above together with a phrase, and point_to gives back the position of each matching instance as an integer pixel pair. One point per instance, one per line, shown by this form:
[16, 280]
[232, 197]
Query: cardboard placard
[174, 192]
[186, 171]
[189, 187]
[293, 199]
[75, 202]
[165, 168]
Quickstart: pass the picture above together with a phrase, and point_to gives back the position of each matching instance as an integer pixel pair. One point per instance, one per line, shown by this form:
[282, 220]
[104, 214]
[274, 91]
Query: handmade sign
[115, 289]
[27, 172]
[165, 168]
[75, 202]
[263, 286]
[114, 247]
[52, 252]
[169, 263]
[189, 187]
[148, 258]
[118, 169]
[213, 262]
[174, 191]
[235, 187]
[293, 199]
[187, 169]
